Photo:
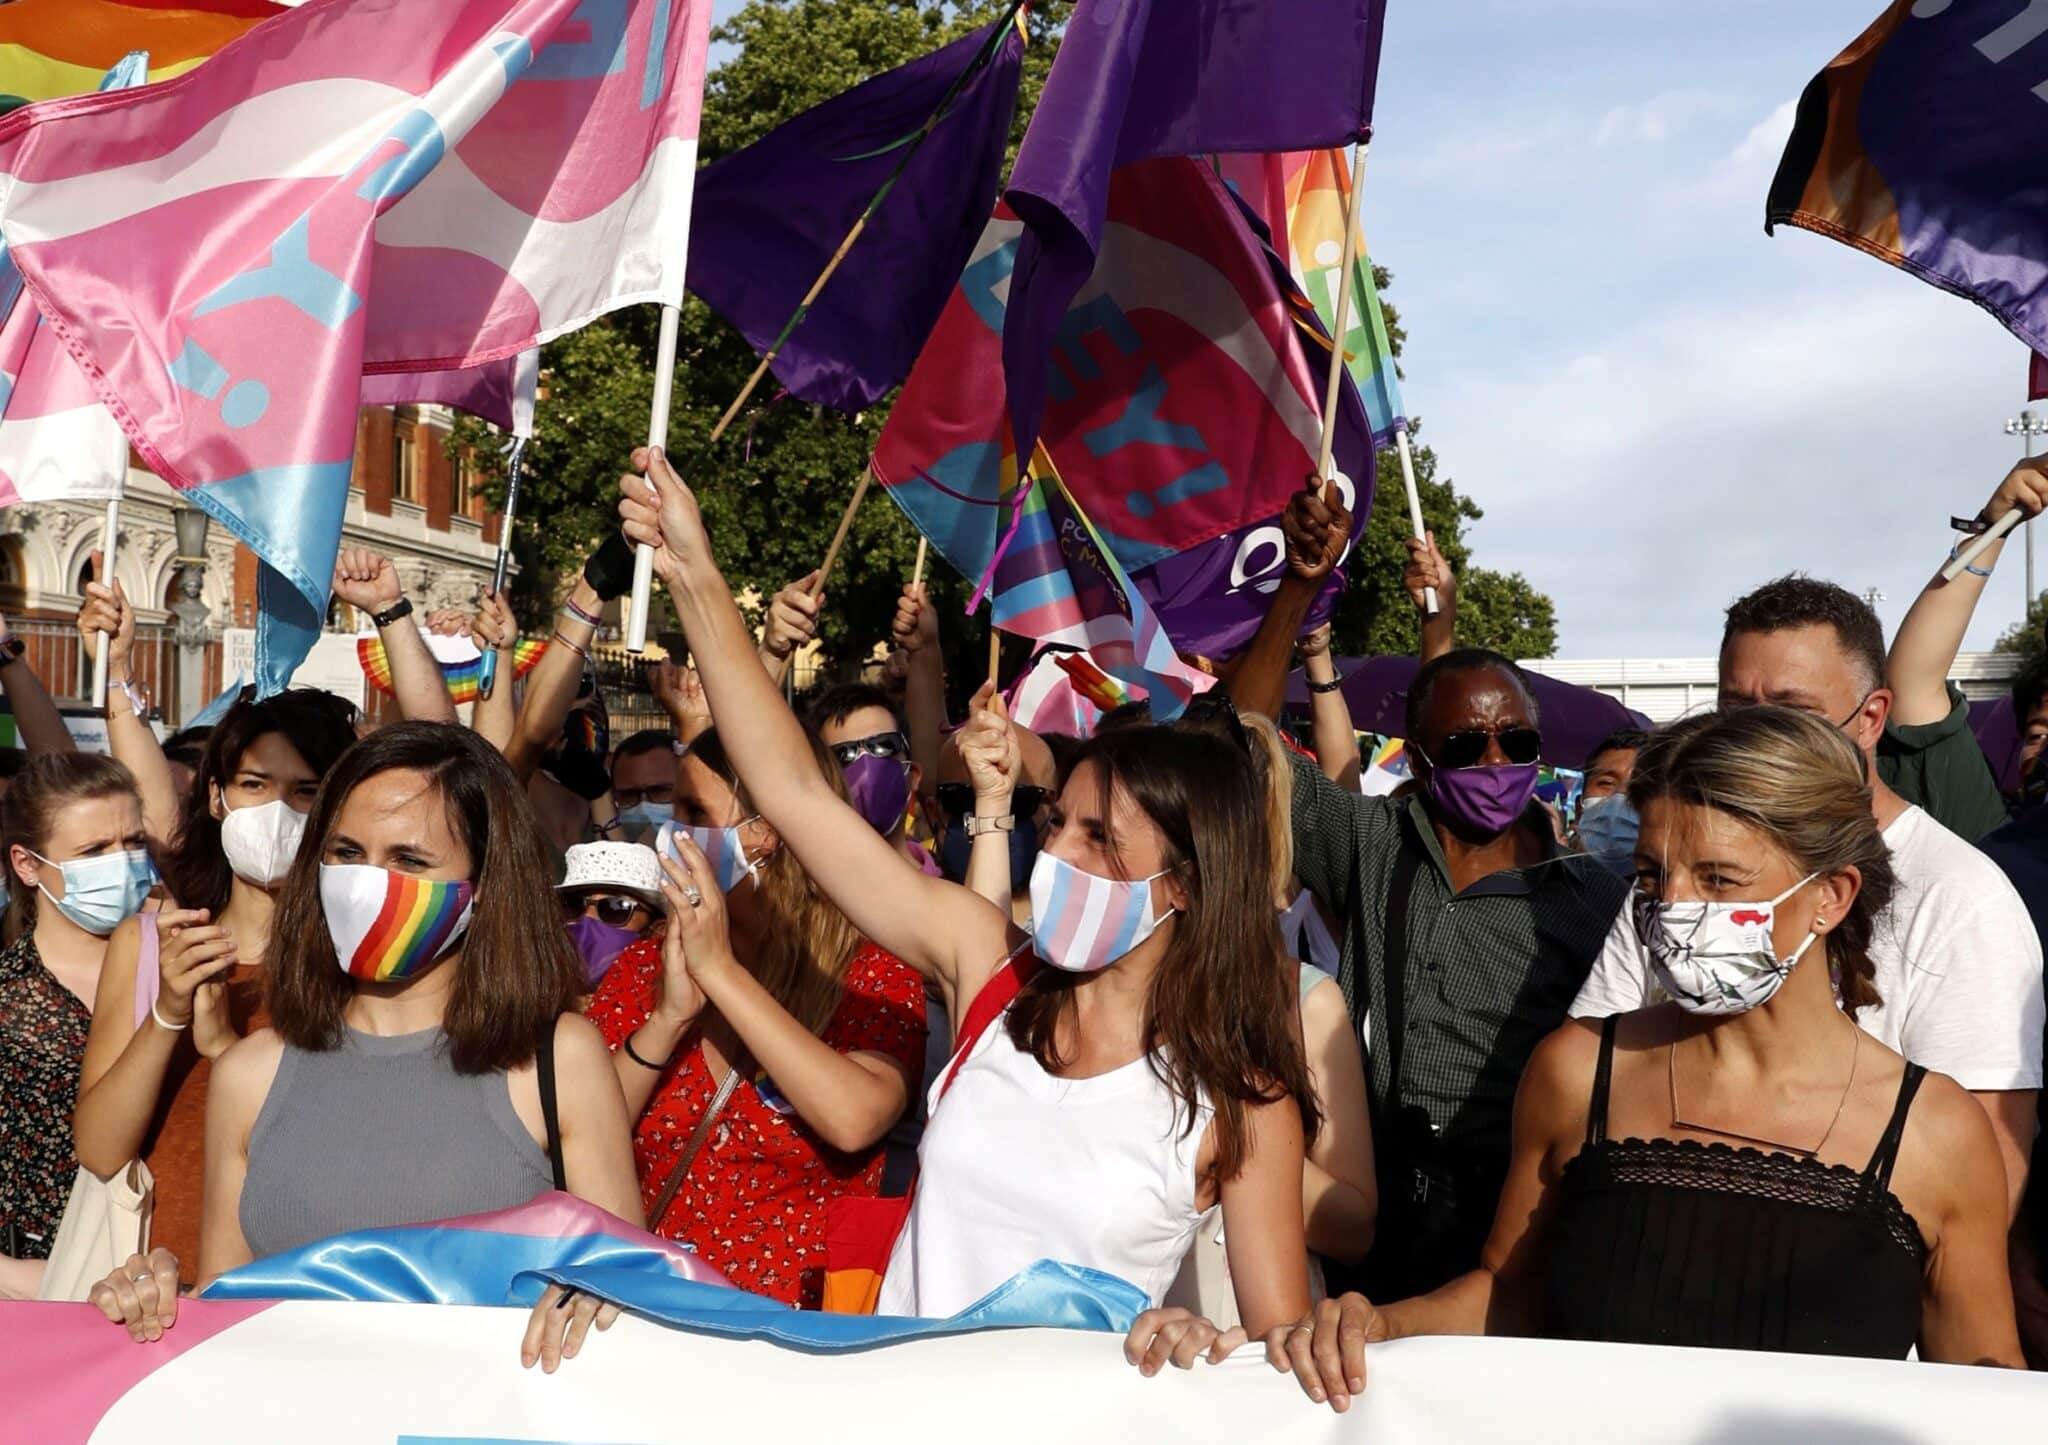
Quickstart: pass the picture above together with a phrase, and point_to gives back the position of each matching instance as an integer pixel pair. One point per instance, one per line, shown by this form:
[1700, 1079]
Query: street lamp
[2026, 426]
[190, 611]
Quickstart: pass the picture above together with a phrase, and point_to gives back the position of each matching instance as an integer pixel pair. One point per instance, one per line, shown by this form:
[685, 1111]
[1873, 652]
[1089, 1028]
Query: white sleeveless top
[1018, 1166]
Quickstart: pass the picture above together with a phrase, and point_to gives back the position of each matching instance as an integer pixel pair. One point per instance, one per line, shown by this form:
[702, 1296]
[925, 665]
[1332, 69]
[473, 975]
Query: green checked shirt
[1490, 970]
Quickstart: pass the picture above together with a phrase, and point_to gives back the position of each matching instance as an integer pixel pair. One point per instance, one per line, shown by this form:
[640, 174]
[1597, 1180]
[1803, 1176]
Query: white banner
[426, 1375]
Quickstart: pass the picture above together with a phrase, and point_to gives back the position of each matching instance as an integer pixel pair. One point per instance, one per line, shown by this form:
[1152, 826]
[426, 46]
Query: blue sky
[1657, 405]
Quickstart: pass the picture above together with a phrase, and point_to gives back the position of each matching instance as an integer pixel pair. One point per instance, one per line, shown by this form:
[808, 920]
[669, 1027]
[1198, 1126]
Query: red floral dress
[753, 1203]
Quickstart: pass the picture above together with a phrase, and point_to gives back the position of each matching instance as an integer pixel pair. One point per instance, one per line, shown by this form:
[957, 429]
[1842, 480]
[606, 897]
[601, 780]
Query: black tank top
[1677, 1242]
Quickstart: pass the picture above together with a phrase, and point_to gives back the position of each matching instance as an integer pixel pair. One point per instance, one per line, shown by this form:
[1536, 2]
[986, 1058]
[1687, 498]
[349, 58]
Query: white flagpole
[1981, 543]
[107, 536]
[657, 436]
[1341, 322]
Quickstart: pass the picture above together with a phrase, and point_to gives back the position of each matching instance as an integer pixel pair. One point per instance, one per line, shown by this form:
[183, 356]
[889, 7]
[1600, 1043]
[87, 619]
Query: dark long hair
[807, 942]
[36, 798]
[318, 724]
[518, 971]
[1221, 1015]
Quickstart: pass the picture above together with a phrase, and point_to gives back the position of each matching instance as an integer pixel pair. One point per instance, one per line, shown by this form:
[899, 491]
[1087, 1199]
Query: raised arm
[1427, 569]
[496, 718]
[989, 747]
[941, 930]
[36, 719]
[1932, 634]
[1316, 530]
[792, 622]
[367, 581]
[129, 736]
[1336, 740]
[551, 686]
[916, 634]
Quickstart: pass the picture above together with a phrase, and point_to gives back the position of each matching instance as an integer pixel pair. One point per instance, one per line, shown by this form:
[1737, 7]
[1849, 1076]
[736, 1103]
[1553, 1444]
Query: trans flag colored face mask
[391, 926]
[1083, 922]
[722, 846]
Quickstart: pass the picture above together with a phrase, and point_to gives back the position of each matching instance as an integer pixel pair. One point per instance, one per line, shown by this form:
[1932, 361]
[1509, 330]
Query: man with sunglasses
[1958, 965]
[867, 738]
[1467, 930]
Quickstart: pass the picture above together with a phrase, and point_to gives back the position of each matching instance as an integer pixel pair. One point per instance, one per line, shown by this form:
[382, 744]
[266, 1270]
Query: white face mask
[261, 842]
[1716, 958]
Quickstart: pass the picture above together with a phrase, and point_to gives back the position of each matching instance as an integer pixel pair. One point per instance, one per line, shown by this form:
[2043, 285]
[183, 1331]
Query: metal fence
[58, 655]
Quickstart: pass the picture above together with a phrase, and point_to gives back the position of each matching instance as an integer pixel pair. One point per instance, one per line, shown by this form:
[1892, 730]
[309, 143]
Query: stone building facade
[407, 499]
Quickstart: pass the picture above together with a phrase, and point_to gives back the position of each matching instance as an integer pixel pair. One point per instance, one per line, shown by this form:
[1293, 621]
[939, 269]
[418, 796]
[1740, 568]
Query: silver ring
[696, 899]
[143, 1278]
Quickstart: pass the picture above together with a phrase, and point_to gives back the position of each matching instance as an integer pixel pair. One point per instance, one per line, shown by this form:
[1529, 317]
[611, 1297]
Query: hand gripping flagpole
[487, 678]
[643, 568]
[99, 663]
[1339, 324]
[657, 436]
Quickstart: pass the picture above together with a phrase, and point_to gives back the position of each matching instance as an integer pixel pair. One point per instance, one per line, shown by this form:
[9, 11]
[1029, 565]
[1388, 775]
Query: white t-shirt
[1018, 1165]
[1957, 960]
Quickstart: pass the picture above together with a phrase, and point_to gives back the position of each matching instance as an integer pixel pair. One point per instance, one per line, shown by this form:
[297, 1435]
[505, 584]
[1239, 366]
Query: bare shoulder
[1948, 1127]
[1323, 1010]
[579, 1047]
[1566, 1058]
[246, 1071]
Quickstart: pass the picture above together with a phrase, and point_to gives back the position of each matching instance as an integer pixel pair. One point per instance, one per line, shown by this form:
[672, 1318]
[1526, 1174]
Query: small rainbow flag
[1091, 681]
[417, 921]
[461, 674]
[50, 48]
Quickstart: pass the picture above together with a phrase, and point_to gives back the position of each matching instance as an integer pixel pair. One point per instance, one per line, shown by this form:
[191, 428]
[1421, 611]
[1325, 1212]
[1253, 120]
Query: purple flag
[769, 217]
[1142, 78]
[1921, 144]
[500, 392]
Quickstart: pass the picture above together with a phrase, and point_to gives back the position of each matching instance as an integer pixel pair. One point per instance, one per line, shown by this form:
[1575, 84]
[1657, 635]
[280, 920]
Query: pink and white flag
[357, 187]
[57, 443]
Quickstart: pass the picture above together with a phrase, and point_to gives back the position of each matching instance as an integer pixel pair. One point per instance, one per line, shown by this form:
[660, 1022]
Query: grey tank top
[381, 1131]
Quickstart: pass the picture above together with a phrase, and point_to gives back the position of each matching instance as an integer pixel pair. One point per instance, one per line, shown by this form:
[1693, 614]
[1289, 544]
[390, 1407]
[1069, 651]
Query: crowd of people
[1743, 1049]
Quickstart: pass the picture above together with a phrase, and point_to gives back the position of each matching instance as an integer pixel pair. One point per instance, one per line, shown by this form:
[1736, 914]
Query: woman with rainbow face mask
[422, 994]
[1143, 1059]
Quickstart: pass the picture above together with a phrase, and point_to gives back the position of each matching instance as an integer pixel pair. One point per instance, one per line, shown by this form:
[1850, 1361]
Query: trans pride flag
[360, 186]
[1921, 144]
[1057, 581]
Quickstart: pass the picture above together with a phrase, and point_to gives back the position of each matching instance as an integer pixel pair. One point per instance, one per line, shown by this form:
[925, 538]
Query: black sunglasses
[617, 910]
[893, 746]
[957, 799]
[1465, 749]
[1212, 708]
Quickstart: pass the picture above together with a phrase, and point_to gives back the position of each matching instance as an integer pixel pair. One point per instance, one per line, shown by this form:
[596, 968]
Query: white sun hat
[620, 867]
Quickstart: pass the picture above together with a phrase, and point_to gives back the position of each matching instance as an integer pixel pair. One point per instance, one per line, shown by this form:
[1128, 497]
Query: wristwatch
[396, 612]
[977, 826]
[11, 648]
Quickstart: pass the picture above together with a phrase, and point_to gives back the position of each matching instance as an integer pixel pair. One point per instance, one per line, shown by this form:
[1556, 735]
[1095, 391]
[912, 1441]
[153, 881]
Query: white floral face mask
[1716, 958]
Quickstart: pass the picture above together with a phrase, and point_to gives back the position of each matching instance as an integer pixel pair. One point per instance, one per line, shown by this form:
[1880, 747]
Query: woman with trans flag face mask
[761, 1007]
[1741, 1167]
[237, 832]
[1135, 1062]
[423, 1059]
[75, 854]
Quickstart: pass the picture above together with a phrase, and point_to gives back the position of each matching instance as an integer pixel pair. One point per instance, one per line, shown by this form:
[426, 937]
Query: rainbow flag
[461, 673]
[50, 48]
[1056, 580]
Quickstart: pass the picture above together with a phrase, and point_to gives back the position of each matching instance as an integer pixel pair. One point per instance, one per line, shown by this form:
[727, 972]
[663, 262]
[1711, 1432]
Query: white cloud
[1660, 118]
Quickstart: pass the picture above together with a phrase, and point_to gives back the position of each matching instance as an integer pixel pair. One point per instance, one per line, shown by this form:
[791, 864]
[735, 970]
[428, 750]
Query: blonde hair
[807, 942]
[1276, 778]
[1797, 779]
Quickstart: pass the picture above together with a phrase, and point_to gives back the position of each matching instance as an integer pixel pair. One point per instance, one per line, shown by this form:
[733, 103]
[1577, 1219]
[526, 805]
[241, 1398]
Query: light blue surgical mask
[644, 820]
[102, 891]
[722, 847]
[1607, 832]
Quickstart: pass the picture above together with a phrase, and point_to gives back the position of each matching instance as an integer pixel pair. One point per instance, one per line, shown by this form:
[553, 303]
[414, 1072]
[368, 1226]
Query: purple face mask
[880, 788]
[1484, 800]
[600, 943]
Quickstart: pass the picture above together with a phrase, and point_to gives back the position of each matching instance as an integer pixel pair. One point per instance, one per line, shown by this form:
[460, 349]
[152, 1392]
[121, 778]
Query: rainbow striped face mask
[388, 926]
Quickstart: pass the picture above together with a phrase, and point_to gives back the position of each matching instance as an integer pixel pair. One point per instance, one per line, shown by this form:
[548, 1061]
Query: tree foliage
[2029, 637]
[774, 487]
